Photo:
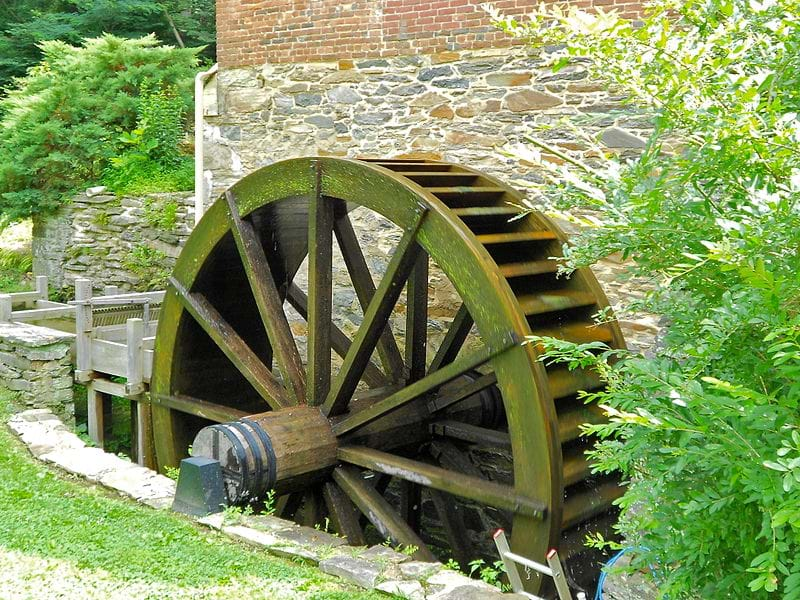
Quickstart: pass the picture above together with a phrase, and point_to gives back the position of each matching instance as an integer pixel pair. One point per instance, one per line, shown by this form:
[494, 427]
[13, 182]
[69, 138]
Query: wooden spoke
[233, 346]
[454, 528]
[471, 433]
[288, 504]
[375, 318]
[340, 342]
[343, 514]
[417, 320]
[379, 511]
[444, 400]
[268, 300]
[411, 504]
[364, 287]
[320, 282]
[453, 340]
[311, 511]
[500, 496]
[419, 388]
[197, 407]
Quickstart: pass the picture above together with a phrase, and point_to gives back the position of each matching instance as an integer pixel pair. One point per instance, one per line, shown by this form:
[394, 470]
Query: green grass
[45, 515]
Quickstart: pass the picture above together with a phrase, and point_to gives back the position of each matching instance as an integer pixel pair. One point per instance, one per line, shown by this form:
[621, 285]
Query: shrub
[152, 159]
[61, 124]
[707, 431]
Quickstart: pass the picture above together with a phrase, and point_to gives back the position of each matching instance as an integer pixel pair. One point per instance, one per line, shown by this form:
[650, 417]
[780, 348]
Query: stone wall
[128, 242]
[470, 107]
[35, 361]
[467, 107]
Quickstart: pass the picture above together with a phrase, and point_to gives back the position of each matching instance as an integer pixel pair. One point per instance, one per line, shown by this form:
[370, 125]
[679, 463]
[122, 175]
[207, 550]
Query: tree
[707, 431]
[64, 121]
[30, 22]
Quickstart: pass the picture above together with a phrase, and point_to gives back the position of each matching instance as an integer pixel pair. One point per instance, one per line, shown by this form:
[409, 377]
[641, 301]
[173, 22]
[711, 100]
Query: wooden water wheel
[395, 438]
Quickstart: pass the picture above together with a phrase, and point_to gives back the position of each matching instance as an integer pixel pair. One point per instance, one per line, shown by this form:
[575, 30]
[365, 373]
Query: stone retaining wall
[35, 361]
[124, 241]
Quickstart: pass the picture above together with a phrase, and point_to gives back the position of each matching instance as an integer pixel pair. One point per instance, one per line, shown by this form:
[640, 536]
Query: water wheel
[395, 436]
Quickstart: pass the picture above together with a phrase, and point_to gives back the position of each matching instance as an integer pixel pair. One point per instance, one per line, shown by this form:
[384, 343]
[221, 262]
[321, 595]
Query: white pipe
[199, 182]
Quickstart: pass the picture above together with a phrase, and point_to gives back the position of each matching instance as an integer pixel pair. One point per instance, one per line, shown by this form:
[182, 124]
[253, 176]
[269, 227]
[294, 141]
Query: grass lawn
[61, 538]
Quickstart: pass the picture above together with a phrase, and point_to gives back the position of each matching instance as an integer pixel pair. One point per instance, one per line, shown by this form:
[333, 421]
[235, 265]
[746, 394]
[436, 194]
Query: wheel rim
[455, 216]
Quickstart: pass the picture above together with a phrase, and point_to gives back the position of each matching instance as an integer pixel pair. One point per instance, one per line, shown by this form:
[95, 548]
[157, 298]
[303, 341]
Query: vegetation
[117, 544]
[151, 159]
[25, 24]
[16, 261]
[707, 430]
[149, 265]
[61, 125]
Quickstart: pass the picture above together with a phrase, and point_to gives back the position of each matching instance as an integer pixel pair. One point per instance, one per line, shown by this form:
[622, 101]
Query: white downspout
[199, 181]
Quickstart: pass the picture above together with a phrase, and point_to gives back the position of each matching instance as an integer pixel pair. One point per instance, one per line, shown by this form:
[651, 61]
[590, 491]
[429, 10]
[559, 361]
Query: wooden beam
[199, 408]
[320, 290]
[343, 514]
[340, 342]
[427, 384]
[233, 346]
[453, 339]
[483, 491]
[268, 301]
[471, 433]
[96, 412]
[417, 320]
[364, 287]
[444, 400]
[375, 318]
[379, 512]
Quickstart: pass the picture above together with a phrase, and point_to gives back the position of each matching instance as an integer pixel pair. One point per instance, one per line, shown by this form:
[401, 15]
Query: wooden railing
[34, 306]
[114, 335]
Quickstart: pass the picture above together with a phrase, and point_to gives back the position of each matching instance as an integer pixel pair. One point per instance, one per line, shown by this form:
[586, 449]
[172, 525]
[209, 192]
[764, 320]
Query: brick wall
[252, 32]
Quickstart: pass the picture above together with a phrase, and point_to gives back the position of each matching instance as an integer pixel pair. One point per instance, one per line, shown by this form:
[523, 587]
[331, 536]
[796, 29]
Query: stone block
[343, 95]
[19, 385]
[433, 72]
[321, 121]
[529, 100]
[368, 118]
[246, 100]
[615, 137]
[508, 79]
[308, 536]
[412, 590]
[307, 99]
[14, 361]
[139, 483]
[362, 572]
[413, 89]
[417, 569]
[384, 554]
[451, 585]
[443, 111]
[90, 463]
[455, 83]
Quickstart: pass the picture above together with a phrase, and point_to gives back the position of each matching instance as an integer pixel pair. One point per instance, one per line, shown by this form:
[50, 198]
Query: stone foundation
[36, 363]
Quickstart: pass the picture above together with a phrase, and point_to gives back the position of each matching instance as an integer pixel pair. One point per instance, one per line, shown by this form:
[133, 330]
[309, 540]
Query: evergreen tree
[24, 24]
